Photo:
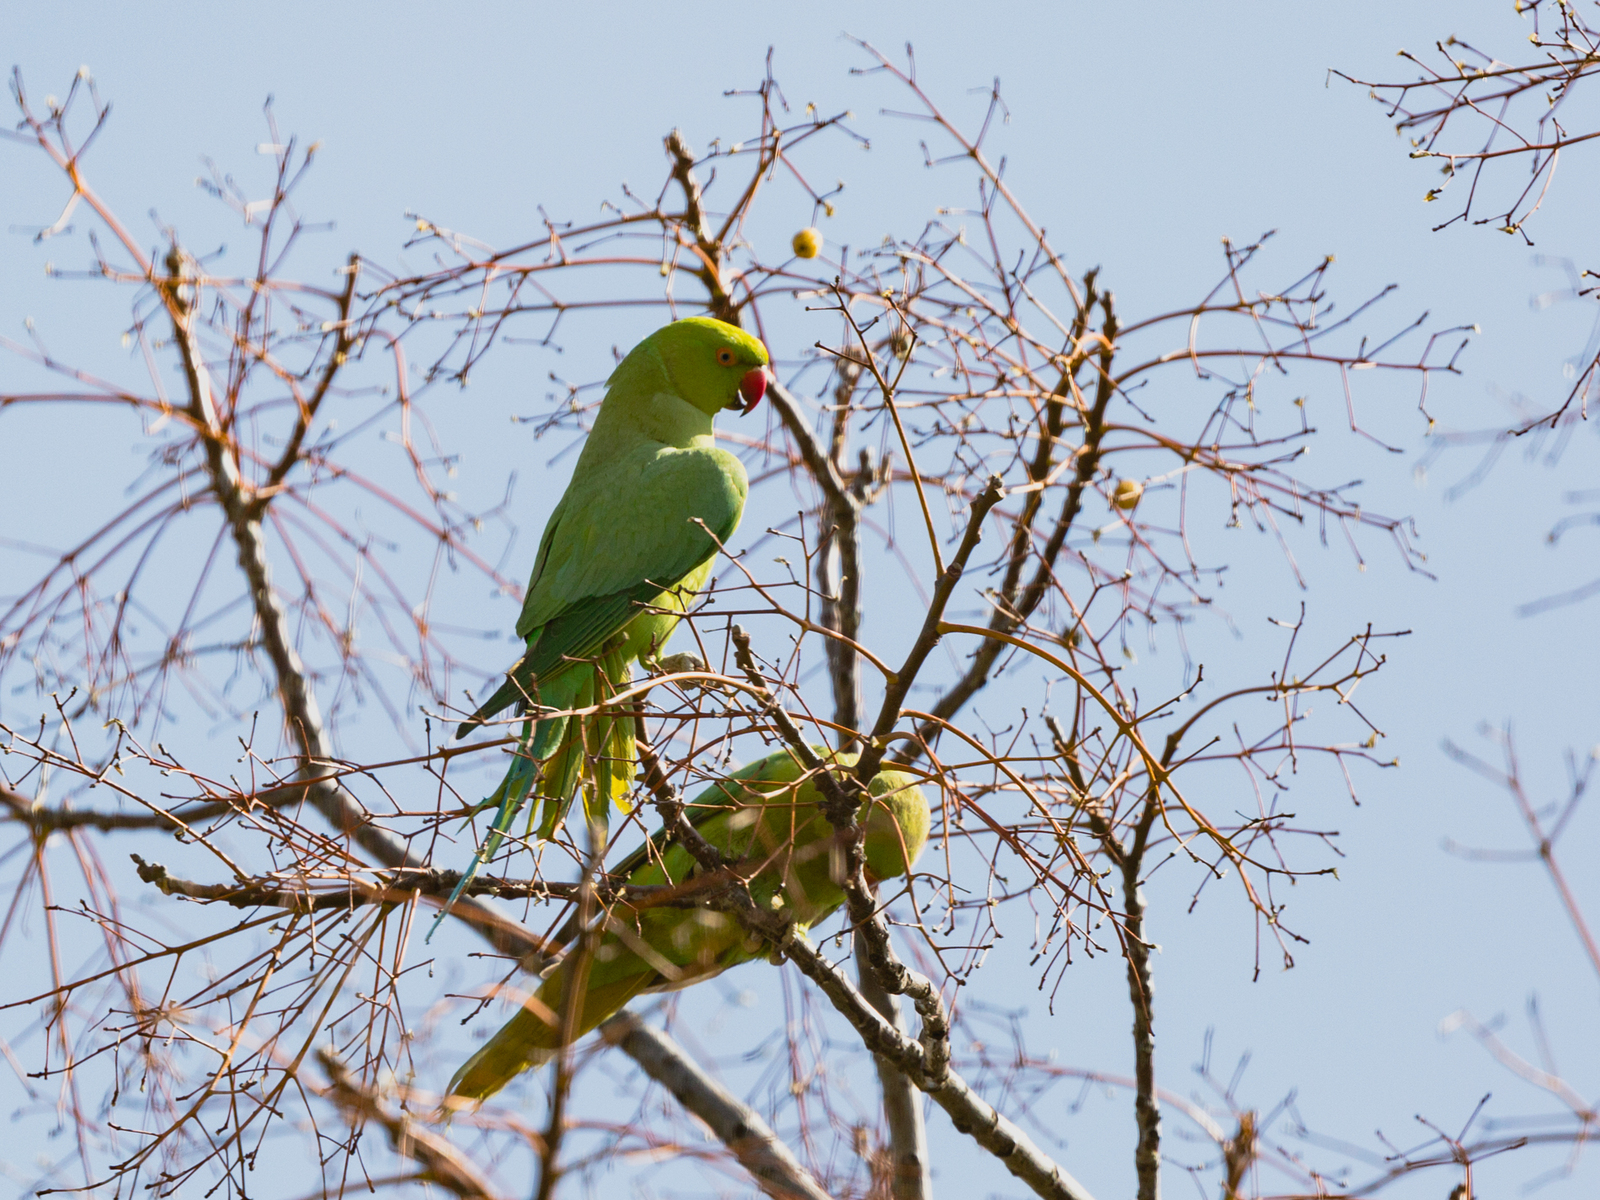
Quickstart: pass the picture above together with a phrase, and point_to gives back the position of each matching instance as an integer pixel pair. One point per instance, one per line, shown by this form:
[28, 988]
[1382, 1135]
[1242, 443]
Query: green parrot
[621, 559]
[765, 817]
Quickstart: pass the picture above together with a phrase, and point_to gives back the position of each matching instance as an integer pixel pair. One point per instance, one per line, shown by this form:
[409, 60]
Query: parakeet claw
[673, 664]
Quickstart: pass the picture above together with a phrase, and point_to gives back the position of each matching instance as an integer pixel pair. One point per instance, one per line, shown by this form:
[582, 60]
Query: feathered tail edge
[533, 1035]
[554, 755]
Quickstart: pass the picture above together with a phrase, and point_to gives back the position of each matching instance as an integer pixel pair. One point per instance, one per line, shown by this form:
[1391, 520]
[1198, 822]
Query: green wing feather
[602, 563]
[580, 632]
[635, 521]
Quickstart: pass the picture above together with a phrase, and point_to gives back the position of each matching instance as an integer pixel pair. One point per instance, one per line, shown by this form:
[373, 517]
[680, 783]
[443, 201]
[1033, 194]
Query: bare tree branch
[737, 1126]
[442, 1163]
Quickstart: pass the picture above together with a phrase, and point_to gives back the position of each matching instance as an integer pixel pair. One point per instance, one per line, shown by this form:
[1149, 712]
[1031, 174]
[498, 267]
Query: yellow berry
[1127, 493]
[808, 242]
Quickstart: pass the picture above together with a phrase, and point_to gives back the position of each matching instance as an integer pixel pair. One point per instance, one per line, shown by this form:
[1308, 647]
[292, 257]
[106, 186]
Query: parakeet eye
[725, 357]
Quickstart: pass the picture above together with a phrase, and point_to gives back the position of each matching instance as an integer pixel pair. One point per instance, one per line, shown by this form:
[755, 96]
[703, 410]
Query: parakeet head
[713, 365]
[897, 825]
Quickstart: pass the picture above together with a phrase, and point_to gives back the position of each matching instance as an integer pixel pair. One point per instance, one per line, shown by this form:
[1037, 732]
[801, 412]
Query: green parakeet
[621, 559]
[765, 817]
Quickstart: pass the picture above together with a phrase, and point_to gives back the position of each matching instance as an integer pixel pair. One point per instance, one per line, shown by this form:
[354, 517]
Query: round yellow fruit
[808, 242]
[1126, 494]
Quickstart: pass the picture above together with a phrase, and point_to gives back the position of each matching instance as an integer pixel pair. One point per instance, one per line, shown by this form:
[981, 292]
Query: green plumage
[765, 817]
[625, 551]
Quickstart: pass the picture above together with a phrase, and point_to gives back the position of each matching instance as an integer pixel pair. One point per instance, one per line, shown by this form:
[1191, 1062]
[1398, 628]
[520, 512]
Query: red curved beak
[752, 387]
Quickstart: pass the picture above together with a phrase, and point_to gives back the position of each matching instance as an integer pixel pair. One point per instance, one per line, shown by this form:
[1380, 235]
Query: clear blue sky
[1140, 135]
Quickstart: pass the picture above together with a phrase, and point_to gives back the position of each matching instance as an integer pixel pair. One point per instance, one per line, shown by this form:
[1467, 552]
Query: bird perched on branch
[765, 821]
[626, 549]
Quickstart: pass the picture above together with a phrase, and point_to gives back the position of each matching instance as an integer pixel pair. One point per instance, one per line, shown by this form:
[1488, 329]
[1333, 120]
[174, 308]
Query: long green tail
[554, 755]
[533, 1035]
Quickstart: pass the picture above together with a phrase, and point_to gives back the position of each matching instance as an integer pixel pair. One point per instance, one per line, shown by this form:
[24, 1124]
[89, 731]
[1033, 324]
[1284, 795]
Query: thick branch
[909, 1174]
[49, 820]
[841, 802]
[442, 1163]
[707, 248]
[872, 934]
[738, 1126]
[969, 1112]
[839, 580]
[402, 885]
[1141, 991]
[834, 489]
[44, 819]
[344, 340]
[924, 1060]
